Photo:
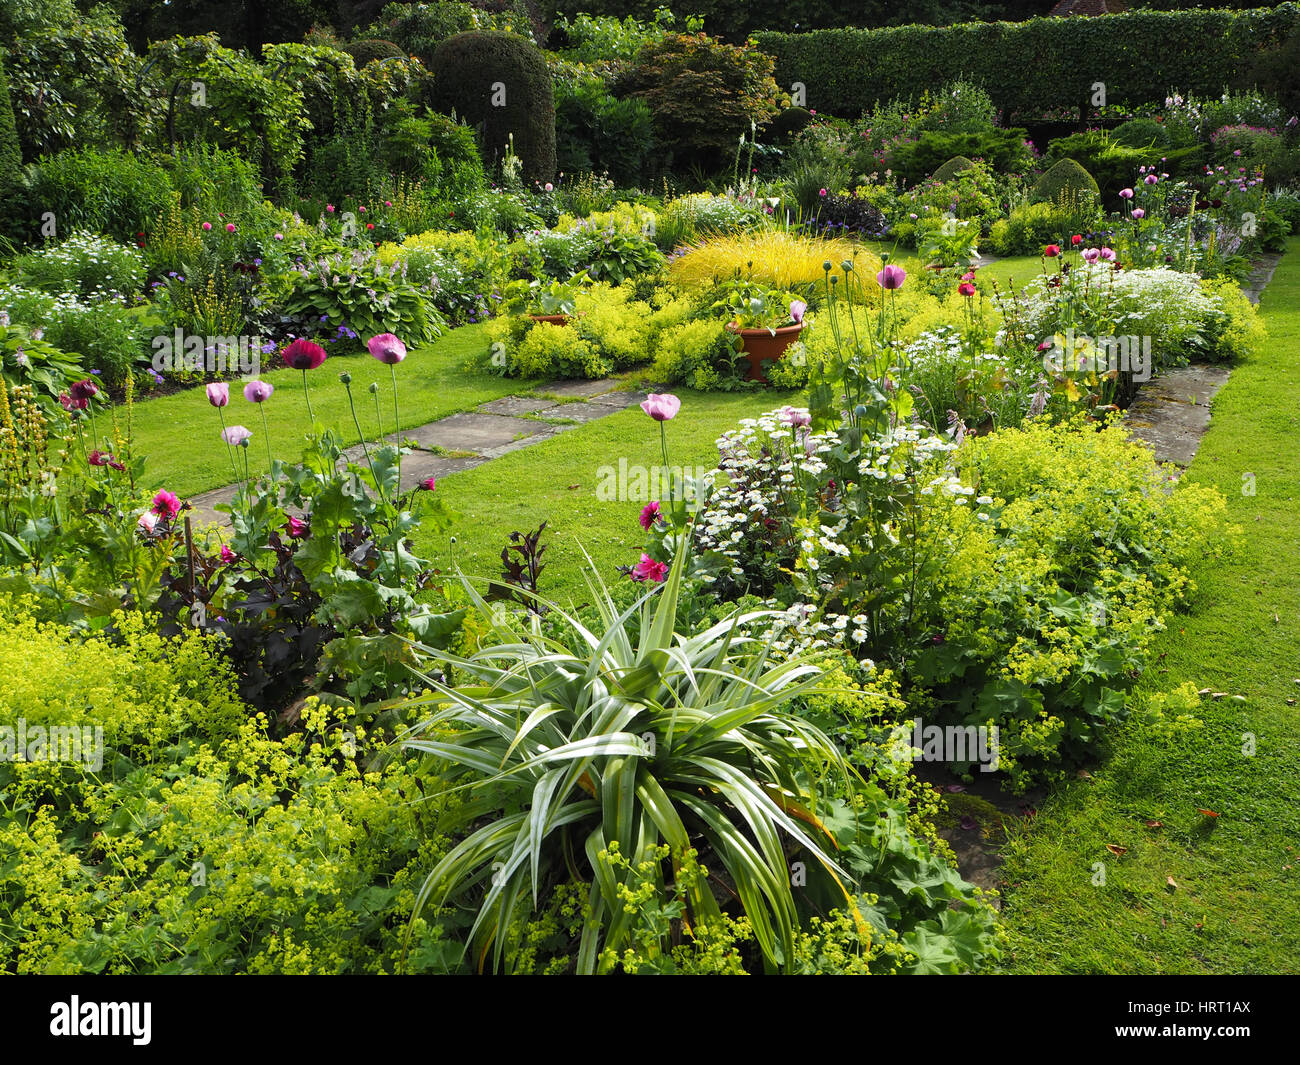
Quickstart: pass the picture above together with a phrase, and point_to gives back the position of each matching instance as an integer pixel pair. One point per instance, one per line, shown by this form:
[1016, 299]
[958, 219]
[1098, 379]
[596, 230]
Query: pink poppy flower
[166, 505]
[236, 435]
[891, 277]
[296, 528]
[218, 393]
[649, 570]
[387, 348]
[303, 355]
[258, 391]
[661, 407]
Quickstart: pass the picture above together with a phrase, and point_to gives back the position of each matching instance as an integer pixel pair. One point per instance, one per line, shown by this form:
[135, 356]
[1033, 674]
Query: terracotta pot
[763, 344]
[552, 319]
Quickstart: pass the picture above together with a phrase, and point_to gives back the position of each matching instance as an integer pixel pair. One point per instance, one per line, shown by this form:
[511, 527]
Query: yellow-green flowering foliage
[203, 844]
[1057, 586]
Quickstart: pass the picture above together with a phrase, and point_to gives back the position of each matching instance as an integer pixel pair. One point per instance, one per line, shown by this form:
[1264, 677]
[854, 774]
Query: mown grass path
[1197, 894]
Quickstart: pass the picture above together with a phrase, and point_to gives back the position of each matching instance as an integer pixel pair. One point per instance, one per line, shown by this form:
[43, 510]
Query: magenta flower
[236, 435]
[966, 289]
[84, 390]
[661, 407]
[387, 348]
[1139, 213]
[1151, 179]
[296, 528]
[258, 391]
[303, 355]
[166, 505]
[230, 227]
[98, 458]
[649, 570]
[207, 226]
[218, 394]
[891, 277]
[1091, 255]
[1108, 254]
[796, 417]
[797, 309]
[429, 484]
[227, 555]
[649, 515]
[1126, 194]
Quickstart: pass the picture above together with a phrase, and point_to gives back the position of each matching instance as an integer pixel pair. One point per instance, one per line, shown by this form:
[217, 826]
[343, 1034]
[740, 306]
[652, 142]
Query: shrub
[109, 192]
[1113, 165]
[106, 337]
[467, 68]
[1066, 178]
[788, 124]
[1140, 133]
[698, 354]
[83, 265]
[702, 93]
[418, 29]
[951, 169]
[363, 52]
[1028, 229]
[595, 131]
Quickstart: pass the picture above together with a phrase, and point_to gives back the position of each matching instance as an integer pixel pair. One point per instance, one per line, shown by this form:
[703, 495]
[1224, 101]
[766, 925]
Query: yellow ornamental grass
[780, 258]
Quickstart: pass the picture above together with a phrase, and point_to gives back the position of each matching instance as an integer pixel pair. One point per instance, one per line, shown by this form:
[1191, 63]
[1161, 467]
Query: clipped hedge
[500, 85]
[1030, 67]
[11, 155]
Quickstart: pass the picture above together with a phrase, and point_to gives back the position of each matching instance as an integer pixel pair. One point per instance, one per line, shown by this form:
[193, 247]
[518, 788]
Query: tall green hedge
[11, 156]
[1030, 67]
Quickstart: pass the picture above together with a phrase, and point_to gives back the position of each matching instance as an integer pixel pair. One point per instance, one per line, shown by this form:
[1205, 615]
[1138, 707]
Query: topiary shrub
[363, 52]
[788, 123]
[951, 168]
[1140, 133]
[11, 156]
[1066, 178]
[501, 85]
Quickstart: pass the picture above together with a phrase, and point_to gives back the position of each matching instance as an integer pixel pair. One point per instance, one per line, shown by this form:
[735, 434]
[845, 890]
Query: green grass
[556, 481]
[180, 433]
[1236, 904]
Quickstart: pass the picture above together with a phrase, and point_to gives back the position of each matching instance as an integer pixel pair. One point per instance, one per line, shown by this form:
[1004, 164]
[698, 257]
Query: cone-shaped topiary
[1066, 177]
[500, 84]
[952, 168]
[11, 156]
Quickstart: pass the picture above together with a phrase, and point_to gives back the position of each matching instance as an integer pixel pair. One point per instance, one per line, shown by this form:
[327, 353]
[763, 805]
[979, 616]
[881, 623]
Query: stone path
[1172, 411]
[463, 441]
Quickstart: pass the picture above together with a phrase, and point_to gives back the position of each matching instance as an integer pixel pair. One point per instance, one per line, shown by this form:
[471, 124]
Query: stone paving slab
[475, 432]
[619, 400]
[579, 389]
[586, 411]
[421, 465]
[515, 405]
[1172, 412]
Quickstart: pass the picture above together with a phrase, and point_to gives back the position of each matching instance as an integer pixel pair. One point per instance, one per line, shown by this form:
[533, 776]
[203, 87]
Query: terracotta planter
[760, 345]
[551, 319]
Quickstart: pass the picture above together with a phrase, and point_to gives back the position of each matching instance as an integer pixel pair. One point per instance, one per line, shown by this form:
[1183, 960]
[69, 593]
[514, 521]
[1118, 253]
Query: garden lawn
[1197, 894]
[1015, 268]
[557, 480]
[180, 434]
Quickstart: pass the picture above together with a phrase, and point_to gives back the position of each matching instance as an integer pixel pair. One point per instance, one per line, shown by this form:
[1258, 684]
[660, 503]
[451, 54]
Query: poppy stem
[307, 395]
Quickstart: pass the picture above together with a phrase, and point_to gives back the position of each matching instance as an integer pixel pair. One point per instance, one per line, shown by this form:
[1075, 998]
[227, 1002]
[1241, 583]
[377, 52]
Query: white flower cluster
[97, 267]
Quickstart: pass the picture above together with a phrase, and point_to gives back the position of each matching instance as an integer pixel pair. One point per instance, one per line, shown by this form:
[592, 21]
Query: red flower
[1076, 240]
[1052, 251]
[966, 289]
[303, 355]
[84, 390]
[429, 484]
